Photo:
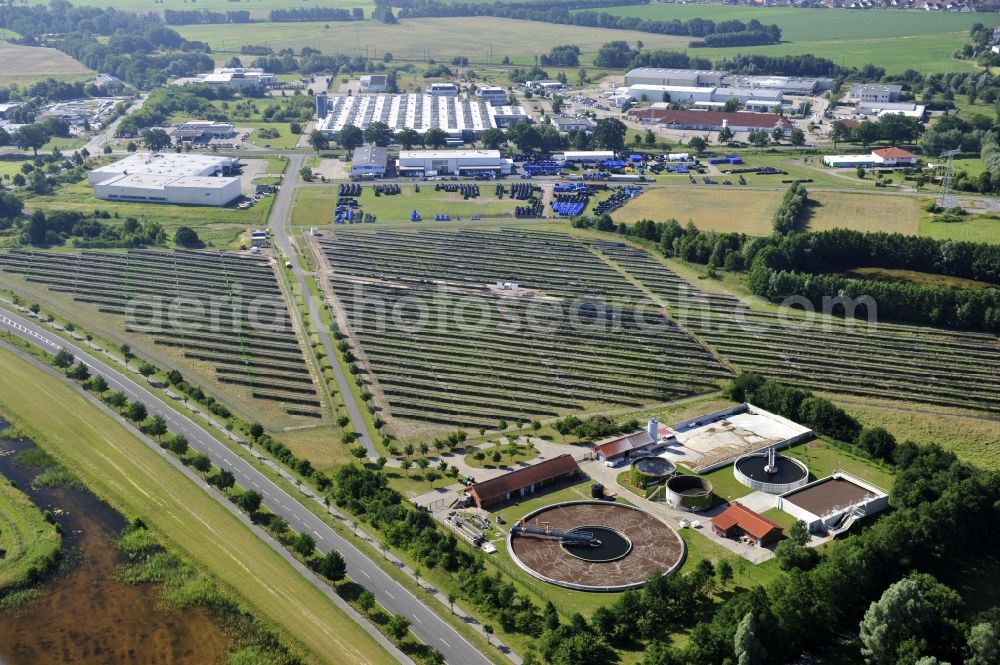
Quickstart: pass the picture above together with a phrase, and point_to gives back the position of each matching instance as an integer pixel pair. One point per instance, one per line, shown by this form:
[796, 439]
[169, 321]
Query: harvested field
[225, 311]
[26, 64]
[828, 354]
[751, 211]
[445, 346]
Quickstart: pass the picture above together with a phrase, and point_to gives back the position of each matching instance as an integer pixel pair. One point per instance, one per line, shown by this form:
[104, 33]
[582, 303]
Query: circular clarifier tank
[607, 544]
[786, 474]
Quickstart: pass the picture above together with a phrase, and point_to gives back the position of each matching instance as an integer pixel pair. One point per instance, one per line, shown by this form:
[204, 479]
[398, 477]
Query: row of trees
[198, 16]
[892, 128]
[789, 215]
[316, 14]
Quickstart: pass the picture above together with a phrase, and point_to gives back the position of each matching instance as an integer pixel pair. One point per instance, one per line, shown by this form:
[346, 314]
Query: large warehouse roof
[455, 115]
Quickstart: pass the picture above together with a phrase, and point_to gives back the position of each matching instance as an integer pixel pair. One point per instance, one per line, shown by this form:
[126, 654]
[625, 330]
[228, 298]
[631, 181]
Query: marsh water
[84, 615]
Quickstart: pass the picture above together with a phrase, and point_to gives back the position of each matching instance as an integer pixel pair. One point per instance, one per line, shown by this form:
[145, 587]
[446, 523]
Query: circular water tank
[788, 474]
[689, 493]
[650, 470]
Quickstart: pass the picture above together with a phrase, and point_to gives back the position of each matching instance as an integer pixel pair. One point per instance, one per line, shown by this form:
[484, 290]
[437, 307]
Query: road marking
[390, 595]
[255, 484]
[365, 573]
[445, 642]
[417, 618]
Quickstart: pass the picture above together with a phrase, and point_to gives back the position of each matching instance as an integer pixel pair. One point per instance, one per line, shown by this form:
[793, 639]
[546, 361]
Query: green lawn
[822, 459]
[27, 540]
[218, 228]
[140, 483]
[314, 205]
[10, 165]
[524, 453]
[975, 228]
[285, 140]
[779, 517]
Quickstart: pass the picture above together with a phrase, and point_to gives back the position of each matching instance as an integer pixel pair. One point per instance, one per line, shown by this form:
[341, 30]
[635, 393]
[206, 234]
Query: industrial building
[443, 90]
[7, 107]
[185, 179]
[713, 121]
[693, 78]
[233, 77]
[195, 130]
[545, 86]
[462, 119]
[875, 92]
[739, 521]
[586, 156]
[701, 78]
[369, 161]
[749, 98]
[452, 162]
[879, 109]
[524, 481]
[880, 157]
[623, 447]
[578, 124]
[495, 95]
[834, 503]
[374, 83]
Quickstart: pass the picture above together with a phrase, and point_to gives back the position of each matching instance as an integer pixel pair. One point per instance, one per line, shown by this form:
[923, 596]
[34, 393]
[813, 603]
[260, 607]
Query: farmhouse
[195, 130]
[567, 124]
[374, 83]
[447, 162]
[462, 119]
[522, 482]
[880, 157]
[622, 447]
[713, 121]
[834, 503]
[185, 179]
[369, 160]
[738, 520]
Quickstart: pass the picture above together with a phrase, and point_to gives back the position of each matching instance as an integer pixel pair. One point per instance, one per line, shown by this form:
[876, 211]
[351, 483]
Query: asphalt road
[424, 623]
[281, 212]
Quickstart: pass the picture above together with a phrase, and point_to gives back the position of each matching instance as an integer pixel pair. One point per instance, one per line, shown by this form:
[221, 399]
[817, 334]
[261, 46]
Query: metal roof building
[458, 117]
[445, 162]
[185, 179]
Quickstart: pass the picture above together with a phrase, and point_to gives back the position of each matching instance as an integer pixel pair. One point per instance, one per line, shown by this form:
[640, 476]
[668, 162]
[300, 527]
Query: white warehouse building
[447, 162]
[183, 179]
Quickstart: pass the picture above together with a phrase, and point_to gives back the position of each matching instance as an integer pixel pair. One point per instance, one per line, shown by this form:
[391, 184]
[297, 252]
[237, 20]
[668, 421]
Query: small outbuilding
[738, 520]
[369, 161]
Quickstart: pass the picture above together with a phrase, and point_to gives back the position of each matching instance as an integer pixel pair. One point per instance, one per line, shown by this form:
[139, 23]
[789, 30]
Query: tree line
[199, 16]
[565, 12]
[788, 216]
[316, 14]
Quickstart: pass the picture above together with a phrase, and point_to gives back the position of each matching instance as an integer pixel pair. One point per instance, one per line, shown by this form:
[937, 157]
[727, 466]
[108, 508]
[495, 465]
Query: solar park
[553, 344]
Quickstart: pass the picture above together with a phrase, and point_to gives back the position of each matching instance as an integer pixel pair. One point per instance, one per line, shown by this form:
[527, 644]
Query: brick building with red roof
[738, 520]
[713, 121]
[524, 481]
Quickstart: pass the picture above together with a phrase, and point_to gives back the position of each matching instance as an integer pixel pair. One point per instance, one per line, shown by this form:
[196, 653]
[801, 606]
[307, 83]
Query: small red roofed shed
[738, 520]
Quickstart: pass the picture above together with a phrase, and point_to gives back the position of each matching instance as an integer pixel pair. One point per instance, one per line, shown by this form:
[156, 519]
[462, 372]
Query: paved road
[96, 143]
[425, 624]
[281, 211]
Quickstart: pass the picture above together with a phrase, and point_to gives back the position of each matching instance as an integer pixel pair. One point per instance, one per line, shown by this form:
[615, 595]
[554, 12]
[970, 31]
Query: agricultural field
[420, 39]
[221, 317]
[314, 205]
[446, 347]
[27, 64]
[27, 540]
[829, 354]
[218, 228]
[896, 40]
[258, 8]
[750, 211]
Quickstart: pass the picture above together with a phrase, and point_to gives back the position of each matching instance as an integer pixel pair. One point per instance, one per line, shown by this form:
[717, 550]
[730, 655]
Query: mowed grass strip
[24, 64]
[138, 482]
[727, 209]
[26, 538]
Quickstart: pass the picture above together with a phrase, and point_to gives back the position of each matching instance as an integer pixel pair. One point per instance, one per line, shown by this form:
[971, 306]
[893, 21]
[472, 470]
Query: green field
[27, 64]
[918, 278]
[139, 482]
[258, 8]
[420, 39]
[314, 205]
[218, 228]
[976, 228]
[896, 40]
[27, 540]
